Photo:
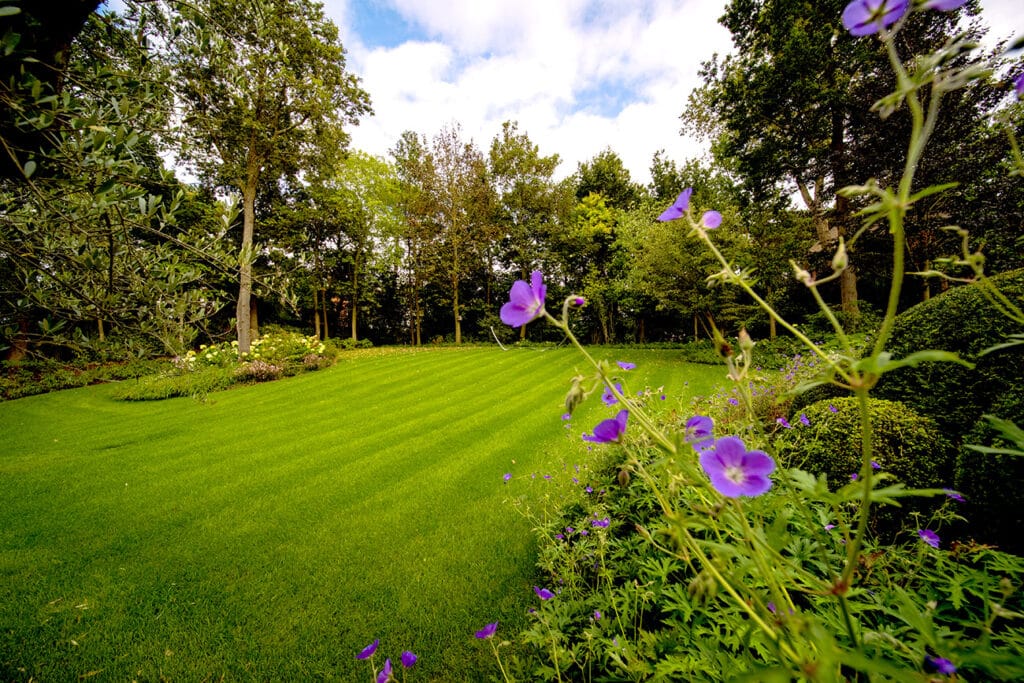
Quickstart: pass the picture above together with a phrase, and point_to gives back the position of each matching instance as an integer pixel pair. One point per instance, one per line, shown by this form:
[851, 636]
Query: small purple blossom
[487, 631]
[830, 527]
[875, 465]
[784, 422]
[734, 401]
[408, 659]
[543, 593]
[950, 493]
[864, 17]
[600, 522]
[854, 477]
[679, 206]
[609, 430]
[508, 475]
[711, 219]
[385, 674]
[832, 408]
[929, 537]
[943, 5]
[804, 420]
[566, 416]
[368, 651]
[525, 301]
[700, 432]
[597, 615]
[625, 365]
[771, 607]
[734, 471]
[1018, 86]
[589, 489]
[578, 301]
[608, 398]
[939, 665]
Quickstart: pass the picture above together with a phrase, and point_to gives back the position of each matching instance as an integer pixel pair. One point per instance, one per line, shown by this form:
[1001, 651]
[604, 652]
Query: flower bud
[840, 260]
[577, 301]
[576, 394]
[746, 343]
[623, 478]
[722, 347]
[802, 275]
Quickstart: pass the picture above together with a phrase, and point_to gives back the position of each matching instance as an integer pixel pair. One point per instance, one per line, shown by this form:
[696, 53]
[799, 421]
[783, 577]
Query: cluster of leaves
[28, 378]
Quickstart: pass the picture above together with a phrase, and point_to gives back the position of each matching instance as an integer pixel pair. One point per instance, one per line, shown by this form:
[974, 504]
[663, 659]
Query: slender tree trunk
[323, 305]
[696, 330]
[455, 310]
[254, 317]
[242, 307]
[355, 293]
[99, 329]
[316, 315]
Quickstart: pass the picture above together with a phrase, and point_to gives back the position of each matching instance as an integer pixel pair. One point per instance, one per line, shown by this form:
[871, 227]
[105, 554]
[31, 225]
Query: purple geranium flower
[804, 420]
[368, 650]
[543, 593]
[784, 422]
[408, 658]
[679, 206]
[734, 471]
[1018, 86]
[600, 522]
[711, 219]
[929, 537]
[942, 5]
[864, 17]
[609, 430]
[508, 475]
[385, 674]
[700, 432]
[608, 398]
[939, 665]
[525, 301]
[487, 631]
[625, 365]
[950, 493]
[578, 301]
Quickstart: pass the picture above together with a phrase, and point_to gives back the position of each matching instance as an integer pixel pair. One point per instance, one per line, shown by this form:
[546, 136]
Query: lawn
[272, 531]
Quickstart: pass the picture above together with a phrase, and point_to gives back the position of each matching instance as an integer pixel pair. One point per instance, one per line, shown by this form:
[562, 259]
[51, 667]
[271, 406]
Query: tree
[265, 95]
[784, 109]
[527, 198]
[607, 176]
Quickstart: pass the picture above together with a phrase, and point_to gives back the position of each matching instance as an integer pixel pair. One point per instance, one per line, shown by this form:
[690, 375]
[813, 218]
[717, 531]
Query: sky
[577, 75]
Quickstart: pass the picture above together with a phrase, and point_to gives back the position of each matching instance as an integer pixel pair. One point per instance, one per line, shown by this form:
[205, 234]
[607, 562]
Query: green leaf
[883, 362]
[1018, 339]
[9, 11]
[30, 166]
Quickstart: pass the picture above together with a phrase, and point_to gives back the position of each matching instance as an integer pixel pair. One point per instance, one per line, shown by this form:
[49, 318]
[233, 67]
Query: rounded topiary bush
[906, 445]
[961, 320]
[992, 484]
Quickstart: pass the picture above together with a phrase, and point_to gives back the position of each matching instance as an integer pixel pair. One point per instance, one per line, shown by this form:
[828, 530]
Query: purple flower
[734, 401]
[700, 432]
[771, 607]
[875, 465]
[784, 422]
[608, 398]
[589, 489]
[525, 301]
[597, 615]
[711, 219]
[804, 421]
[939, 665]
[368, 650]
[832, 408]
[625, 365]
[487, 631]
[601, 522]
[609, 430]
[929, 537]
[543, 593]
[1018, 86]
[864, 17]
[679, 206]
[408, 659]
[578, 301]
[566, 416]
[942, 5]
[950, 493]
[829, 527]
[508, 475]
[734, 471]
[385, 674]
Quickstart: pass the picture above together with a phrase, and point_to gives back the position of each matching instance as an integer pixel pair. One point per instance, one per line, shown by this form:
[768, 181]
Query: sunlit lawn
[273, 531]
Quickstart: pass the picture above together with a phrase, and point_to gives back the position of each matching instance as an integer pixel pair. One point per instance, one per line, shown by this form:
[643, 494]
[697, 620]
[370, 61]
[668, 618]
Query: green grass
[272, 531]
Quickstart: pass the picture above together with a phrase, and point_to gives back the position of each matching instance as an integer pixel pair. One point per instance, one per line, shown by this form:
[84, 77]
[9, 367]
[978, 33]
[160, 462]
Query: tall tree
[783, 109]
[527, 198]
[265, 94]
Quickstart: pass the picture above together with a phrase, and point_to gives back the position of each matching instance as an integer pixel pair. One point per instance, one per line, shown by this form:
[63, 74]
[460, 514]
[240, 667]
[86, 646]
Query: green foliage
[964, 321]
[28, 378]
[992, 483]
[904, 444]
[175, 383]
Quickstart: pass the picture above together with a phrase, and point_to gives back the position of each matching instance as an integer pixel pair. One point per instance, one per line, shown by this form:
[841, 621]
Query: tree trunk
[242, 307]
[323, 305]
[455, 310]
[696, 330]
[355, 294]
[254, 317]
[316, 315]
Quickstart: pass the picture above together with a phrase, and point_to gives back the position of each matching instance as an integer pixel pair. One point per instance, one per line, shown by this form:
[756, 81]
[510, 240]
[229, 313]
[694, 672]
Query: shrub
[991, 484]
[961, 320]
[197, 383]
[905, 444]
[258, 371]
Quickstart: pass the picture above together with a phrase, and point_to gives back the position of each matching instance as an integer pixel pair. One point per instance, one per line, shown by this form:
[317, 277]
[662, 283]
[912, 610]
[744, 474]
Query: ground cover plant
[141, 540]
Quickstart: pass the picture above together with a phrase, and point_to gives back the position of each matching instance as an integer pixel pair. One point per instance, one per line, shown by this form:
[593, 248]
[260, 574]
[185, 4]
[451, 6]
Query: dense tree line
[104, 251]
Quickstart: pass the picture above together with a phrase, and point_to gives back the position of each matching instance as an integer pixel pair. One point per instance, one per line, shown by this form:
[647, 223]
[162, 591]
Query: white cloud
[548, 65]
